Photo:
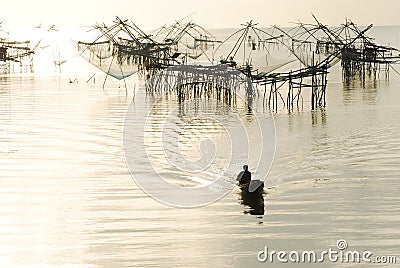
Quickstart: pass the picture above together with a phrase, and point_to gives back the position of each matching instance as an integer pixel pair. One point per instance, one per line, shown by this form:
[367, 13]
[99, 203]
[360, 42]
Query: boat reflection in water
[253, 200]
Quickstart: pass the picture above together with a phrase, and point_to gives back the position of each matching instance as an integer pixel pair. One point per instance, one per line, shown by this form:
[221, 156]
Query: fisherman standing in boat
[244, 176]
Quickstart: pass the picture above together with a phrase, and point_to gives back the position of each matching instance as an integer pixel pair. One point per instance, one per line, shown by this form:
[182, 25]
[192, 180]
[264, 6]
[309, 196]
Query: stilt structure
[15, 56]
[311, 50]
[123, 49]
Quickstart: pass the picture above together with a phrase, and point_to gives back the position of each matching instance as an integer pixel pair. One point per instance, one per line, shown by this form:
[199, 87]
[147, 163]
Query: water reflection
[317, 115]
[369, 93]
[368, 81]
[253, 202]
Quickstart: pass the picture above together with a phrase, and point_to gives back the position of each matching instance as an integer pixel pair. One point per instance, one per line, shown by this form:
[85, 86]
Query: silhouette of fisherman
[244, 176]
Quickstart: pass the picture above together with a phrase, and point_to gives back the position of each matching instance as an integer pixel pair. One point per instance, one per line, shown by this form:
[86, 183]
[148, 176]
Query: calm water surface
[68, 200]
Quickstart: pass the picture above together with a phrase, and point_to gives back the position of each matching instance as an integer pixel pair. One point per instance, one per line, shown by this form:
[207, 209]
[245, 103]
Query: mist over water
[67, 198]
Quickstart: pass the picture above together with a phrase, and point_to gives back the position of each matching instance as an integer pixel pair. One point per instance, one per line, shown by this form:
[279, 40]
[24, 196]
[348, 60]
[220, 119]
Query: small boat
[255, 186]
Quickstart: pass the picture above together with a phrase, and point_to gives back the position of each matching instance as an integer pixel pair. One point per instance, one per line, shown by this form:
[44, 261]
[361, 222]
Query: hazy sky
[208, 13]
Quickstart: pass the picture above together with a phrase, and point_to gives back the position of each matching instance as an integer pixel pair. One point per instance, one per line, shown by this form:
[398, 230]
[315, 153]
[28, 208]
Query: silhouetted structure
[123, 49]
[15, 56]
